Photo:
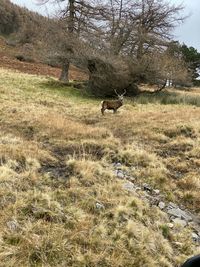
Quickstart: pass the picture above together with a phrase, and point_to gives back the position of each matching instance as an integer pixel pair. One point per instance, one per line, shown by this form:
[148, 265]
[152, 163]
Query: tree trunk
[64, 77]
[71, 22]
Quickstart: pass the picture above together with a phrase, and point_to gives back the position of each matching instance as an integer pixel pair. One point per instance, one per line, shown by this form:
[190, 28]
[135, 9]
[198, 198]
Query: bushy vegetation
[61, 204]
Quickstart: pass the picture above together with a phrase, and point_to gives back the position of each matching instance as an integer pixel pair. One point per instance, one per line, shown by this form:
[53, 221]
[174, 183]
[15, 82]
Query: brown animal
[112, 104]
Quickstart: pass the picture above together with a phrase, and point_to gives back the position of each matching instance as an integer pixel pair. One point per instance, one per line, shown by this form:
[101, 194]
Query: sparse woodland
[80, 189]
[120, 43]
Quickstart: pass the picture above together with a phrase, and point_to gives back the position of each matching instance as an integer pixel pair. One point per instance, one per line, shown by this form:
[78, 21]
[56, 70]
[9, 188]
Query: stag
[113, 104]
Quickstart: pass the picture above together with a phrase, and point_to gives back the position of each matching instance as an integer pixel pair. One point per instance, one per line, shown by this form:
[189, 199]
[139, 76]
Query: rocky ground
[177, 214]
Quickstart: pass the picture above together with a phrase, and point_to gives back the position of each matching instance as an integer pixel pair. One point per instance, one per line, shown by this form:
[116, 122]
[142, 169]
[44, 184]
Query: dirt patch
[56, 170]
[87, 150]
[40, 69]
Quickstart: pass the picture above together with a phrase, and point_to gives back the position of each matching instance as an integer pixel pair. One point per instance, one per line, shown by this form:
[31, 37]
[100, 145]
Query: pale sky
[188, 32]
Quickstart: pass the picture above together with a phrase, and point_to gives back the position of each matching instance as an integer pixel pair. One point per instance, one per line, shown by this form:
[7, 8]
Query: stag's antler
[124, 92]
[116, 92]
[121, 94]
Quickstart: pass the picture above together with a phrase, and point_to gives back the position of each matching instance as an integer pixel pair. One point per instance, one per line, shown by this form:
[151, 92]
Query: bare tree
[123, 36]
[135, 27]
[155, 22]
[77, 20]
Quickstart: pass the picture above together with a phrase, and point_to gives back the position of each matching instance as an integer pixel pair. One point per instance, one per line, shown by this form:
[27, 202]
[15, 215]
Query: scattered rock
[195, 237]
[129, 186]
[180, 222]
[156, 191]
[120, 174]
[170, 225]
[161, 205]
[137, 188]
[100, 206]
[117, 165]
[178, 213]
[172, 205]
[12, 225]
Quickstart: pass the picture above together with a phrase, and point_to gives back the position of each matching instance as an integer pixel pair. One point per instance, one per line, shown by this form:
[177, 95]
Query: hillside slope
[61, 203]
[8, 60]
[15, 23]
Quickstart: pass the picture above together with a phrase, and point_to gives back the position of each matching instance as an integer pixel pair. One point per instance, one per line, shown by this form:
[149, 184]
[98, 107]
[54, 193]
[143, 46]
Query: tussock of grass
[182, 130]
[61, 204]
[168, 97]
[70, 129]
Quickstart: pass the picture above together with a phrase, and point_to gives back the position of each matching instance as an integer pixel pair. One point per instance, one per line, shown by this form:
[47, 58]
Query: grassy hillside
[61, 204]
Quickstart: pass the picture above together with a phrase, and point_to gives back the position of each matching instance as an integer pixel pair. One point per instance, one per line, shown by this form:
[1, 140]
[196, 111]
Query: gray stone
[180, 222]
[172, 205]
[12, 225]
[120, 175]
[100, 206]
[156, 191]
[137, 188]
[117, 165]
[161, 205]
[129, 186]
[170, 225]
[178, 213]
[195, 237]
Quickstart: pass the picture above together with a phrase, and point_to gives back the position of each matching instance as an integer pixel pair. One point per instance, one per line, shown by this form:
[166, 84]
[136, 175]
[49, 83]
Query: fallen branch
[155, 91]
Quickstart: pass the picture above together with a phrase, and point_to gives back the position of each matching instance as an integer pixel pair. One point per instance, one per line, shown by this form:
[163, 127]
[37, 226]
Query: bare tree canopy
[119, 33]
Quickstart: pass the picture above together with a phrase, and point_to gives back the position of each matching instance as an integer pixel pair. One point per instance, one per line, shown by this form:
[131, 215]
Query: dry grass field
[56, 170]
